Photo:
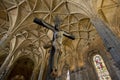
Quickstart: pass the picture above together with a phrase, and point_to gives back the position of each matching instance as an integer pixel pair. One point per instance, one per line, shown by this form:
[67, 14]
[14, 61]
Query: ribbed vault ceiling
[16, 20]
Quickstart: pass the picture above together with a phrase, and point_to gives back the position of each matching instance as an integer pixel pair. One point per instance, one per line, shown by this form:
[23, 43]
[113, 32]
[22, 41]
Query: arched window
[22, 69]
[101, 69]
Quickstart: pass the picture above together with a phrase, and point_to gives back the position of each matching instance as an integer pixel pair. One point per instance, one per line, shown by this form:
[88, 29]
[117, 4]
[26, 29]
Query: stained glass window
[101, 68]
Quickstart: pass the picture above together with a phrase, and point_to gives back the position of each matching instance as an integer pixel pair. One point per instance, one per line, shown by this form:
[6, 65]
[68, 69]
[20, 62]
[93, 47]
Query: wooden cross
[56, 42]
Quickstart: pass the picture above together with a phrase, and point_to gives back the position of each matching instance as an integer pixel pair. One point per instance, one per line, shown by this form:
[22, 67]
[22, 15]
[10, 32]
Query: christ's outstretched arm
[44, 24]
[69, 35]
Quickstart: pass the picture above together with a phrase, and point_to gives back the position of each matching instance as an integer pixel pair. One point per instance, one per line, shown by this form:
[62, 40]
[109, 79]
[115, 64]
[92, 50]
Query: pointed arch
[22, 69]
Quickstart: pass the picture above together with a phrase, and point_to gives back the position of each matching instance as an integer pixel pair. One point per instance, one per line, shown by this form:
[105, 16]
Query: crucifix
[56, 43]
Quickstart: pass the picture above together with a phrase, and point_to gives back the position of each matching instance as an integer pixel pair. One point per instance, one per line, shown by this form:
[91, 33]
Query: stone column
[79, 75]
[4, 68]
[110, 40]
[35, 73]
[4, 73]
[72, 76]
[85, 75]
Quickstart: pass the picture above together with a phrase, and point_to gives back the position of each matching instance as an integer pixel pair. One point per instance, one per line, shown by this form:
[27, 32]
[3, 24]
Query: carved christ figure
[56, 43]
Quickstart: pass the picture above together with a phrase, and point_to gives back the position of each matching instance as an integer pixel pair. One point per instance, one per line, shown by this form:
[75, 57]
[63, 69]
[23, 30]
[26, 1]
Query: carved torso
[58, 37]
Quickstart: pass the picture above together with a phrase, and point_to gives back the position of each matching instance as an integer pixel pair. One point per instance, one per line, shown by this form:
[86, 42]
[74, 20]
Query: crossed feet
[54, 72]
